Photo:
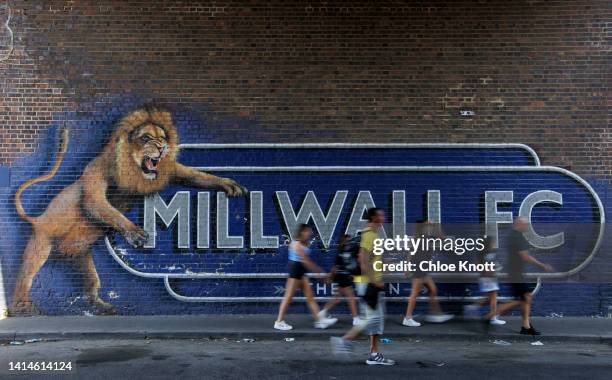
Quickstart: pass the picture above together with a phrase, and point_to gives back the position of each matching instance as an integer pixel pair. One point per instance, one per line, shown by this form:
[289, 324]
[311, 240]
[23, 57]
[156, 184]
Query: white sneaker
[410, 322]
[322, 314]
[438, 318]
[356, 321]
[282, 325]
[496, 321]
[324, 323]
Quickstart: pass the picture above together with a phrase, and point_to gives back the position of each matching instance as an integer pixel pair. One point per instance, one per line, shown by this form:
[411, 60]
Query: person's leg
[374, 343]
[519, 299]
[434, 305]
[473, 308]
[435, 314]
[330, 304]
[526, 310]
[493, 312]
[289, 291]
[341, 346]
[349, 294]
[417, 285]
[378, 328]
[354, 332]
[310, 300]
[492, 296]
[505, 307]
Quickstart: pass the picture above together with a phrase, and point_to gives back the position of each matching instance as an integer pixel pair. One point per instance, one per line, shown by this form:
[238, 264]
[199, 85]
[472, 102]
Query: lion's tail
[46, 177]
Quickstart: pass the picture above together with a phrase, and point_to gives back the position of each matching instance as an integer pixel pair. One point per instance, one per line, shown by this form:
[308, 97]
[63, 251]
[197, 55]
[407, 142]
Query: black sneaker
[530, 331]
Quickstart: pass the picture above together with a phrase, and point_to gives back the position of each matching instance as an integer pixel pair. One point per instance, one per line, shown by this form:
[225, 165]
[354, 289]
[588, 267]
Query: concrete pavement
[260, 326]
[307, 359]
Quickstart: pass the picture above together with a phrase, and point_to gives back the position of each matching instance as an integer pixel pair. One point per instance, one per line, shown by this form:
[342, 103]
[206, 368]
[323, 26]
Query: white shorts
[373, 320]
[488, 284]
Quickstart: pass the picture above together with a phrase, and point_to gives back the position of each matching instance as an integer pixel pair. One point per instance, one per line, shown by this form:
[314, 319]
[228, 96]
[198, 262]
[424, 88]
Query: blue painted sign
[203, 235]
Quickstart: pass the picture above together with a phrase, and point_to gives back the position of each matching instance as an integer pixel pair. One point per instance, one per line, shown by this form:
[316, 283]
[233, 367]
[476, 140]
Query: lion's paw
[136, 237]
[103, 308]
[24, 309]
[233, 188]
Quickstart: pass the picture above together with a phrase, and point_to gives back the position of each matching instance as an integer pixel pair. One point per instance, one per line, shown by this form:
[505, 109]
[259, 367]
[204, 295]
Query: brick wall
[534, 72]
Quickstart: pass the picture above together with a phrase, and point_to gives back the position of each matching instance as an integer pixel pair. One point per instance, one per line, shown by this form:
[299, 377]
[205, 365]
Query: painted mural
[140, 159]
[120, 217]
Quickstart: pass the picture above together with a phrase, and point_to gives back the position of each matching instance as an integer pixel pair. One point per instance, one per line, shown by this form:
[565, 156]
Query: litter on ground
[500, 342]
[429, 363]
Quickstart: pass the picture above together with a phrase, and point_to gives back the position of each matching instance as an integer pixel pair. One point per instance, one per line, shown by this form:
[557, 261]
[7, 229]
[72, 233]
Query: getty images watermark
[419, 250]
[461, 252]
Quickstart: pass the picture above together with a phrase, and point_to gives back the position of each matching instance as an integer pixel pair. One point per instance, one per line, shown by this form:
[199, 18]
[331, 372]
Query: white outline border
[574, 176]
[182, 298]
[527, 148]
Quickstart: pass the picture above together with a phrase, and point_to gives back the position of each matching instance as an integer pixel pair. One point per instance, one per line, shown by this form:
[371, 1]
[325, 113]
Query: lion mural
[139, 159]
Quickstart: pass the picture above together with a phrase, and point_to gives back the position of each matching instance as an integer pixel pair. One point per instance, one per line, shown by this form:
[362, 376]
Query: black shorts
[296, 270]
[343, 280]
[420, 274]
[519, 289]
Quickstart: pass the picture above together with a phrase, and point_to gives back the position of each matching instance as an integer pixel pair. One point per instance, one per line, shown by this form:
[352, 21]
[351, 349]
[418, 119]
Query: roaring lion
[139, 159]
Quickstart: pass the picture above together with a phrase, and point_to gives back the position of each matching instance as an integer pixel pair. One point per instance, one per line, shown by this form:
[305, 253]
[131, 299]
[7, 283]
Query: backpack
[349, 255]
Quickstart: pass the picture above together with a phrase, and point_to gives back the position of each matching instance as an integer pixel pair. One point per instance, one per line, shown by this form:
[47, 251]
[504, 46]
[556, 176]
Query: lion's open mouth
[149, 167]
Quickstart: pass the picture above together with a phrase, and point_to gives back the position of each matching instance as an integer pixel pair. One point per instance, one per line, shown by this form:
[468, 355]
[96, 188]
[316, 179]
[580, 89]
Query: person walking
[487, 284]
[422, 279]
[346, 265]
[299, 262]
[371, 289]
[518, 256]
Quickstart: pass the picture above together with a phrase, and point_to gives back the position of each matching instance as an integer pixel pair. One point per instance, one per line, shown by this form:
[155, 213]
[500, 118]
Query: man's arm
[525, 256]
[332, 274]
[365, 260]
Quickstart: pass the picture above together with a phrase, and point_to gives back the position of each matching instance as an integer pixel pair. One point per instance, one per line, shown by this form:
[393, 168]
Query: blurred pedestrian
[421, 278]
[518, 256]
[371, 289]
[299, 262]
[346, 265]
[487, 284]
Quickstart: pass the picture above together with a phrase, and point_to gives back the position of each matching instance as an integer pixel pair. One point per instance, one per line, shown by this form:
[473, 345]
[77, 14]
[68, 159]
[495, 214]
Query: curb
[272, 335]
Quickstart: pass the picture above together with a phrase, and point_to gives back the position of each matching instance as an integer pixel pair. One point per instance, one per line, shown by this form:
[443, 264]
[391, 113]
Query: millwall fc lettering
[177, 211]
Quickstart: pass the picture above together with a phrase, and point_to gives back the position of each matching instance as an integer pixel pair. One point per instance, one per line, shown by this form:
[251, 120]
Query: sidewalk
[260, 327]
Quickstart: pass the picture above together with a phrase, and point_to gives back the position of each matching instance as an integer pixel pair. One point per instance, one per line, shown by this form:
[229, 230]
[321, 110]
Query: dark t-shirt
[516, 243]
